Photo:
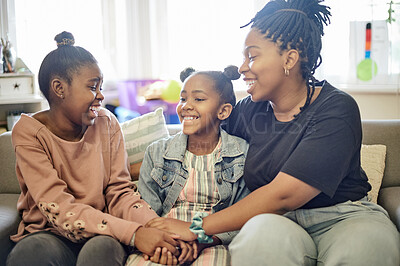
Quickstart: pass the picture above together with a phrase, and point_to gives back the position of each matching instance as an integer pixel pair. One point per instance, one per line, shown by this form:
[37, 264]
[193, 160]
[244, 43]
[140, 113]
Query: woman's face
[263, 67]
[83, 96]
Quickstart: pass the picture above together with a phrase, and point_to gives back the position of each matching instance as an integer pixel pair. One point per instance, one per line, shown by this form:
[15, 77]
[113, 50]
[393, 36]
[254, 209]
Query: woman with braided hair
[308, 203]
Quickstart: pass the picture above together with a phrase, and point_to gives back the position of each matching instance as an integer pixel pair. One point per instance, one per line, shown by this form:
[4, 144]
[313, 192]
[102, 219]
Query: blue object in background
[124, 114]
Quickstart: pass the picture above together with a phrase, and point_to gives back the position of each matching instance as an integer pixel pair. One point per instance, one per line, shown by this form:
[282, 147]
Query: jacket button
[219, 180]
[164, 178]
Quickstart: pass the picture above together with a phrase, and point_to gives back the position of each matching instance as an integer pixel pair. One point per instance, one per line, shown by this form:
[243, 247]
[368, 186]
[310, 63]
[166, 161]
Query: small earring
[286, 72]
[62, 96]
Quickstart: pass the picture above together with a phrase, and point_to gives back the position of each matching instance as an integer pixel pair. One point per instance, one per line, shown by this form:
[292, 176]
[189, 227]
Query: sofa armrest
[389, 198]
[9, 221]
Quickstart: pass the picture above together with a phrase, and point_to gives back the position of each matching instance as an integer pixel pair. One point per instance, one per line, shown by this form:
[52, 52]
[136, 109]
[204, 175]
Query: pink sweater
[76, 189]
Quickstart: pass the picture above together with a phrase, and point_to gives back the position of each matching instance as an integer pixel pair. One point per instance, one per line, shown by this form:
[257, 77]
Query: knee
[102, 250]
[272, 234]
[41, 248]
[270, 238]
[362, 242]
[272, 227]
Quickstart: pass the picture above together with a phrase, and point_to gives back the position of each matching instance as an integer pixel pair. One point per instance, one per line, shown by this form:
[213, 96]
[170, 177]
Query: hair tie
[291, 10]
[66, 42]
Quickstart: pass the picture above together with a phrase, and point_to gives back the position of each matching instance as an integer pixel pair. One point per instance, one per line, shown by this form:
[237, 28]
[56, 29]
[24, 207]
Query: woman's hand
[148, 239]
[175, 226]
[188, 251]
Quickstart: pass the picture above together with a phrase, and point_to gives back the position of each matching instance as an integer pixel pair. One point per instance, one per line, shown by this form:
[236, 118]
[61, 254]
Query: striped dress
[200, 194]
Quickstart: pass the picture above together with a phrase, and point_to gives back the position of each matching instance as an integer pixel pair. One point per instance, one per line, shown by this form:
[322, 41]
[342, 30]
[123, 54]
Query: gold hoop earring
[286, 72]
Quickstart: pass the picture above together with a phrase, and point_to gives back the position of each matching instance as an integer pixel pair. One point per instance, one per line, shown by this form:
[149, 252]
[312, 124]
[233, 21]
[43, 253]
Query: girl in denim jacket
[199, 169]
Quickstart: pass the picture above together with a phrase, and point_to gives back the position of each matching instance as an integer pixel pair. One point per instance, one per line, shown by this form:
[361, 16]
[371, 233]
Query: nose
[100, 95]
[244, 67]
[186, 105]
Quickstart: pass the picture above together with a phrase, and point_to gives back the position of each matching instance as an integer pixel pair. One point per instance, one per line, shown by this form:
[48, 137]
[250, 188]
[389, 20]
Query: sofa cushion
[139, 133]
[9, 221]
[8, 178]
[373, 163]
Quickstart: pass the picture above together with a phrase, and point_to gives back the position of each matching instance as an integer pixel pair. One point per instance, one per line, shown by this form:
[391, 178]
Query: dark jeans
[45, 248]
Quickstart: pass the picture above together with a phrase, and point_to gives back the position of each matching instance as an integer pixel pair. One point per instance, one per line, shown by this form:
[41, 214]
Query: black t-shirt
[321, 146]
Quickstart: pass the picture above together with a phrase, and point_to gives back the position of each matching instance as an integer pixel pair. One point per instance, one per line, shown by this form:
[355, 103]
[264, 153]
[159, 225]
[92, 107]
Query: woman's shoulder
[26, 130]
[336, 100]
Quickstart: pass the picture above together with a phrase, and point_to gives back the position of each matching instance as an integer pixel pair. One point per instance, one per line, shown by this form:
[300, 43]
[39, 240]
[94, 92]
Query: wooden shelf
[21, 99]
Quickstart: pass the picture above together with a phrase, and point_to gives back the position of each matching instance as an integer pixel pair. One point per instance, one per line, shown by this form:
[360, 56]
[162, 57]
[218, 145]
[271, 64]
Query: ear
[291, 58]
[225, 111]
[57, 86]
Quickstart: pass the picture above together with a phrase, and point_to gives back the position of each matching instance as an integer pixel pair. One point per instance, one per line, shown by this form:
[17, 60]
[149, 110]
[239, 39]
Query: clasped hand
[179, 230]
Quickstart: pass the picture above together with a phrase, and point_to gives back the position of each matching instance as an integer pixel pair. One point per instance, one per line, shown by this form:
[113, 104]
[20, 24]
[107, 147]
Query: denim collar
[177, 146]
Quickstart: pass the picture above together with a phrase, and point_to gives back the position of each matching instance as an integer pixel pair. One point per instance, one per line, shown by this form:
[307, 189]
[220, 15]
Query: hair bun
[186, 73]
[64, 39]
[231, 72]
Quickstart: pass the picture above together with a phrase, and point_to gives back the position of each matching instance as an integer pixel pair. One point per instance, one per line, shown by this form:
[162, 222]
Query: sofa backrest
[386, 132]
[8, 178]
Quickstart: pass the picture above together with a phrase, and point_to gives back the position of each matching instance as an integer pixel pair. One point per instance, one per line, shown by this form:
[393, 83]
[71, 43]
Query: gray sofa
[385, 132]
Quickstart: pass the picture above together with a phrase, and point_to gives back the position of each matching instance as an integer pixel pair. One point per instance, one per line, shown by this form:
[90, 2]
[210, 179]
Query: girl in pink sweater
[77, 202]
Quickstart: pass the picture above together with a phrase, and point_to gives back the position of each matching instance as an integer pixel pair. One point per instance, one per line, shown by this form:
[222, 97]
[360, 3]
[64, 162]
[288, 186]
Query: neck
[202, 145]
[63, 128]
[288, 104]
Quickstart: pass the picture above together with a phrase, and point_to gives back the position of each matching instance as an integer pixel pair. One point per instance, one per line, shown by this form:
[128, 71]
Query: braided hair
[63, 62]
[296, 24]
[222, 81]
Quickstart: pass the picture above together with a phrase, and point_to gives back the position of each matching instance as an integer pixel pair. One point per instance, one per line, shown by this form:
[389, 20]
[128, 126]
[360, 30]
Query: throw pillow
[139, 133]
[373, 162]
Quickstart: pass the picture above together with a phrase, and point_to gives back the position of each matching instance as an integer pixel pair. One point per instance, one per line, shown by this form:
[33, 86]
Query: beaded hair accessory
[291, 10]
[66, 42]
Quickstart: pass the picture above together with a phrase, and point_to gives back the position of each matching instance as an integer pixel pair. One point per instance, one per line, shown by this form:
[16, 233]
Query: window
[344, 44]
[158, 38]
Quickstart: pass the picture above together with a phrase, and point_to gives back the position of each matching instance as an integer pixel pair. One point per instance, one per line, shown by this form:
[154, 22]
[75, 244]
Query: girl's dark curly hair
[222, 81]
[296, 24]
[63, 62]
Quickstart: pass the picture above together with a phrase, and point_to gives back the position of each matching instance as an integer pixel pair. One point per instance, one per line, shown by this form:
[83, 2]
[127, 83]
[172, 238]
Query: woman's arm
[283, 194]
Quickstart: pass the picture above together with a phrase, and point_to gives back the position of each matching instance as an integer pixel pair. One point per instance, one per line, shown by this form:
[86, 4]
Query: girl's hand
[162, 256]
[148, 239]
[175, 226]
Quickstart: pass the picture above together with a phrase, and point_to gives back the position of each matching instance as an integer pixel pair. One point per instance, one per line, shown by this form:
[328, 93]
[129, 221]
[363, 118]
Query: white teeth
[95, 108]
[250, 82]
[189, 118]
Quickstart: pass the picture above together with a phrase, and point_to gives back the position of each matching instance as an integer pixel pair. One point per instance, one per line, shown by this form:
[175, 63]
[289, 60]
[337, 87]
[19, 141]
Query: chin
[254, 98]
[187, 131]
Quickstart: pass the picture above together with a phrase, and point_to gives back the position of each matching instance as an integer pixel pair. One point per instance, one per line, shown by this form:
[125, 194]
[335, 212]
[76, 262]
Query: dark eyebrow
[247, 48]
[199, 91]
[95, 79]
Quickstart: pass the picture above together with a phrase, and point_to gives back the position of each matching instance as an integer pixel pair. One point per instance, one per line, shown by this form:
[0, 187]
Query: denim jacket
[163, 176]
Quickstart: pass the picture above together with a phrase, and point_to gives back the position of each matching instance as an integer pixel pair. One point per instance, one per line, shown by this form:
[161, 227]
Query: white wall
[378, 105]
